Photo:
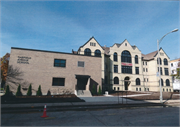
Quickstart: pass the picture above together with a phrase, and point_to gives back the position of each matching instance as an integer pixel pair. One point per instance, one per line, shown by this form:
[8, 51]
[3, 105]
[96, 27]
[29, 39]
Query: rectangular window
[115, 68]
[59, 63]
[146, 70]
[80, 63]
[144, 79]
[143, 63]
[160, 70]
[166, 71]
[126, 69]
[147, 89]
[171, 64]
[169, 90]
[58, 82]
[136, 89]
[139, 89]
[146, 63]
[137, 70]
[147, 79]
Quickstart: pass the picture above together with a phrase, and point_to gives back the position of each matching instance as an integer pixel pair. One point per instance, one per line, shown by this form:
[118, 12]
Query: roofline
[51, 51]
[88, 41]
[163, 51]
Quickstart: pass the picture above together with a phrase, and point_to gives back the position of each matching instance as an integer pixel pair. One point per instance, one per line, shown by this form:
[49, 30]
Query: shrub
[39, 93]
[29, 93]
[7, 90]
[94, 90]
[18, 93]
[100, 91]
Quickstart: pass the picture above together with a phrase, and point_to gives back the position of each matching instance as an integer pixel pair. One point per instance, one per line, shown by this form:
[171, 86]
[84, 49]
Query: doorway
[126, 83]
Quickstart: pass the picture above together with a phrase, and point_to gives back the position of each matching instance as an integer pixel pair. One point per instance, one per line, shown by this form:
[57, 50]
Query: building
[124, 67]
[55, 71]
[174, 65]
[119, 67]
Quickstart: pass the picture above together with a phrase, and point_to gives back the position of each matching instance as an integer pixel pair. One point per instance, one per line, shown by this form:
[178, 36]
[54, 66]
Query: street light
[158, 42]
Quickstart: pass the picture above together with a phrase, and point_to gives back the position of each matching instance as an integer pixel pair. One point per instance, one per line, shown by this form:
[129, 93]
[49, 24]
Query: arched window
[165, 61]
[97, 53]
[115, 56]
[87, 52]
[159, 60]
[116, 80]
[138, 81]
[167, 82]
[126, 56]
[162, 84]
[136, 59]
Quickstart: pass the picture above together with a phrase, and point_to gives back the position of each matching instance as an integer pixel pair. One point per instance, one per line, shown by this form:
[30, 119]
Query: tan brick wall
[41, 70]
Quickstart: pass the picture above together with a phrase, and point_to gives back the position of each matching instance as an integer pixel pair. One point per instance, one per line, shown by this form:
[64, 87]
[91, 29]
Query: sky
[65, 25]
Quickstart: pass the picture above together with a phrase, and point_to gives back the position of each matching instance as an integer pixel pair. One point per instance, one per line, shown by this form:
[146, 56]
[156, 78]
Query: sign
[157, 74]
[23, 60]
[126, 64]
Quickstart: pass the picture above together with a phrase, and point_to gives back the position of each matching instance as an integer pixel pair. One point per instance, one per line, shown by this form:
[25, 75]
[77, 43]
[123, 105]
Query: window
[97, 53]
[147, 79]
[126, 69]
[166, 71]
[115, 68]
[126, 57]
[158, 61]
[160, 70]
[118, 88]
[167, 82]
[171, 64]
[169, 90]
[147, 89]
[144, 79]
[165, 61]
[136, 89]
[146, 63]
[114, 88]
[146, 70]
[116, 80]
[59, 63]
[163, 89]
[162, 84]
[58, 81]
[138, 81]
[115, 56]
[87, 52]
[137, 70]
[139, 89]
[92, 44]
[143, 63]
[136, 59]
[80, 64]
[125, 44]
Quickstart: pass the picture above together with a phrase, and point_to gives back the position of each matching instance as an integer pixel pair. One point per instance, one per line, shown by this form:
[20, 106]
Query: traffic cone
[44, 113]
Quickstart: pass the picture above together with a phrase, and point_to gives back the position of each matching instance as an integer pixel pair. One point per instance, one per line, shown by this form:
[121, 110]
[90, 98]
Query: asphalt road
[149, 116]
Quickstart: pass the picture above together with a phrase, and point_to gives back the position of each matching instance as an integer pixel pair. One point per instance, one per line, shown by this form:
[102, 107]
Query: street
[149, 116]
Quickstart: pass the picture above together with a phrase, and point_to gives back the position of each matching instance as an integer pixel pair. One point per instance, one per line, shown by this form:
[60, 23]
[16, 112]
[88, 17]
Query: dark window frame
[58, 81]
[97, 52]
[115, 68]
[115, 57]
[126, 57]
[87, 52]
[138, 81]
[136, 59]
[60, 63]
[116, 80]
[166, 71]
[137, 70]
[126, 69]
[165, 61]
[81, 63]
[167, 82]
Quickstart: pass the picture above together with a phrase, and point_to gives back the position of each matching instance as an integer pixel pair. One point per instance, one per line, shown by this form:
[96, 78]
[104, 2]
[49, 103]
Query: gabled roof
[88, 41]
[106, 50]
[151, 55]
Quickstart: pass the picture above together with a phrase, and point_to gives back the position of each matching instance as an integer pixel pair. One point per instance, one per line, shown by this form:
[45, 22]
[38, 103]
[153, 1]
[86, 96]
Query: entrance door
[126, 83]
[81, 83]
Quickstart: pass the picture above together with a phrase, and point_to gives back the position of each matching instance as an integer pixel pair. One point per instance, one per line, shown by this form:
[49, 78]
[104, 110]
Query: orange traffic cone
[44, 113]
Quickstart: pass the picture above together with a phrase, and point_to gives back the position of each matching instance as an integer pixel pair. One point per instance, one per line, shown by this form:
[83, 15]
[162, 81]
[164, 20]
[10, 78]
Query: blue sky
[66, 25]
